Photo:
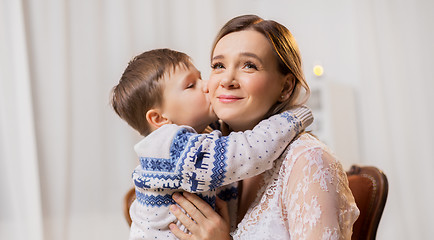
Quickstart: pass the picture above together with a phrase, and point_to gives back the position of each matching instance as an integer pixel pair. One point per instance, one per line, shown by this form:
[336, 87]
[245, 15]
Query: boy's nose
[205, 86]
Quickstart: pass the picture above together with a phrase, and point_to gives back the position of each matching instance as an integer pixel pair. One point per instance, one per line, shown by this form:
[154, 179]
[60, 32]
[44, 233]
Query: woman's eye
[217, 66]
[191, 85]
[250, 65]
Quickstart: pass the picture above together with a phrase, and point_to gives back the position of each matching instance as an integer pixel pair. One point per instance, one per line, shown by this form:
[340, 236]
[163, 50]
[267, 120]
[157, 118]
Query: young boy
[161, 88]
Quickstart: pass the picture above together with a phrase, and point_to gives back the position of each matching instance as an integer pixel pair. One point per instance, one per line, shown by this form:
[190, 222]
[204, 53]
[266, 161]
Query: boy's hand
[206, 224]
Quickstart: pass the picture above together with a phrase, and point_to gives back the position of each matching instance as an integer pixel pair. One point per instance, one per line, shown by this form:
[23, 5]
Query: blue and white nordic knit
[175, 158]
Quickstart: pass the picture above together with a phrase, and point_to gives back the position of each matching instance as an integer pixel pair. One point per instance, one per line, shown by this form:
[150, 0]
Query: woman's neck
[241, 127]
[248, 124]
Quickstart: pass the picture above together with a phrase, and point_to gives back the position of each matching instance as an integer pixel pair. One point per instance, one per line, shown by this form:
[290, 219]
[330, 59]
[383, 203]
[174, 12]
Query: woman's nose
[229, 81]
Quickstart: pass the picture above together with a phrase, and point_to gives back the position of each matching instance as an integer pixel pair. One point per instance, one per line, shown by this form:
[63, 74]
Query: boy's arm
[202, 162]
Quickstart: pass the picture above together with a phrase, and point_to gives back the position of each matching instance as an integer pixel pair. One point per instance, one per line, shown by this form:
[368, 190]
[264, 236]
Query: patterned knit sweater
[176, 158]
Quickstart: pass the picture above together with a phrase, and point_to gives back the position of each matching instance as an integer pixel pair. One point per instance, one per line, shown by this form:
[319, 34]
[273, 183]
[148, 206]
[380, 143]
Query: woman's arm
[317, 199]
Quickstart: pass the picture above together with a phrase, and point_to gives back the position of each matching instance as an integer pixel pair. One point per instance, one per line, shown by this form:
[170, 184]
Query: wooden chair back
[370, 187]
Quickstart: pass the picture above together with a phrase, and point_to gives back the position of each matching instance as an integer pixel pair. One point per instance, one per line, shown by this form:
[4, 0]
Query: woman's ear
[288, 87]
[156, 119]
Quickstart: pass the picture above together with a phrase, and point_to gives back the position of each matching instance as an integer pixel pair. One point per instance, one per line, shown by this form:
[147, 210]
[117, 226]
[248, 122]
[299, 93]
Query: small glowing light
[318, 70]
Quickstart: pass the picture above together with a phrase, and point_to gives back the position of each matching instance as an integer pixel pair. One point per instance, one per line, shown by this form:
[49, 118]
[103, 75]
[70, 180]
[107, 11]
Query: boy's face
[185, 101]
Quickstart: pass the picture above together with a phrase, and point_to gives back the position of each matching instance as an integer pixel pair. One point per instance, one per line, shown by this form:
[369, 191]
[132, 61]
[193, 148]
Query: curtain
[20, 199]
[67, 158]
[395, 45]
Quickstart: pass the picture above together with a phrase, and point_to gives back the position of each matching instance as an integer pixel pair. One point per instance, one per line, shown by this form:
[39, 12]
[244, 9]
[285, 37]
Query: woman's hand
[207, 223]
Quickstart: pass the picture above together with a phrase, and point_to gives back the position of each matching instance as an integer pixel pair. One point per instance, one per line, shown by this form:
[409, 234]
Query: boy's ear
[288, 87]
[156, 119]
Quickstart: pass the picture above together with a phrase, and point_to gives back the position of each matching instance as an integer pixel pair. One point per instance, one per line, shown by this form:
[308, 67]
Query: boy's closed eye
[192, 80]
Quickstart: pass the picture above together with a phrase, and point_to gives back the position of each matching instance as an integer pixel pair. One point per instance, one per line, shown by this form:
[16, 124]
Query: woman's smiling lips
[228, 98]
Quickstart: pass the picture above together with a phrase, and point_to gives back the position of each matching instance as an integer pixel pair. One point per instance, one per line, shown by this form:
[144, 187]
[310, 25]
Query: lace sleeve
[317, 201]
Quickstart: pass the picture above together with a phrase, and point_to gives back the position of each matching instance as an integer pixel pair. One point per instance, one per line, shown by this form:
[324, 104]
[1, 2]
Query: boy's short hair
[141, 87]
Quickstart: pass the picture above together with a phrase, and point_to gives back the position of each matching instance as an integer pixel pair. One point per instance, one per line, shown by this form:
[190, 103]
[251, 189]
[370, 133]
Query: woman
[256, 72]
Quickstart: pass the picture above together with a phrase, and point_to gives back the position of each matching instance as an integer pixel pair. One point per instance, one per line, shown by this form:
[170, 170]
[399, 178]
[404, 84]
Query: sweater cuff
[304, 114]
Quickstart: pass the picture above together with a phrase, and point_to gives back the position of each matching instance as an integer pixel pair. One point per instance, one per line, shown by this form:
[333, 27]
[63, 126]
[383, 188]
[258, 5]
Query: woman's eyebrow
[242, 54]
[249, 54]
[218, 57]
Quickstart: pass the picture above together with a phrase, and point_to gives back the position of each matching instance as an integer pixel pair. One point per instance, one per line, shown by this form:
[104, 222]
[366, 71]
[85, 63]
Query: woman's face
[244, 81]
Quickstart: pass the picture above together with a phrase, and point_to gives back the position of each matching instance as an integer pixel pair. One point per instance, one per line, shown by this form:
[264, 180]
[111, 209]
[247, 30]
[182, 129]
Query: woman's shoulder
[306, 141]
[310, 149]
[313, 160]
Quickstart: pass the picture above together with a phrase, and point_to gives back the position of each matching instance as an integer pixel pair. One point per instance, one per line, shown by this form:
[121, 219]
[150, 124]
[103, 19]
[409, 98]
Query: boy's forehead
[180, 73]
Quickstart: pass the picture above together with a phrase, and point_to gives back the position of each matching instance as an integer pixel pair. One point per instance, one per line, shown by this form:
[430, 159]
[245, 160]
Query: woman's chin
[230, 117]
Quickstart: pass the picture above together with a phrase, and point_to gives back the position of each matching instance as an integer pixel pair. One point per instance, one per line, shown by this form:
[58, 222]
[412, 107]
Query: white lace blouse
[304, 196]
